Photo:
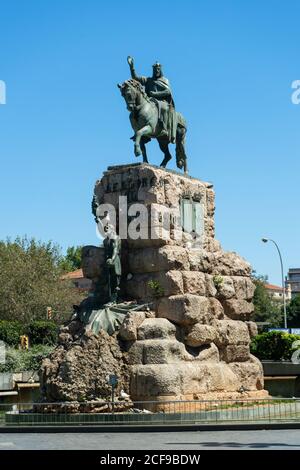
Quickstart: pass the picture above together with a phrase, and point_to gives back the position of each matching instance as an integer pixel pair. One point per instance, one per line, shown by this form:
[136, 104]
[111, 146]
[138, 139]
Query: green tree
[293, 312]
[72, 260]
[30, 281]
[265, 309]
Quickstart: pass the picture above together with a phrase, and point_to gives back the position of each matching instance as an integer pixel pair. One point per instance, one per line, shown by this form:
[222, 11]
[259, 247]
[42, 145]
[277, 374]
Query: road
[189, 440]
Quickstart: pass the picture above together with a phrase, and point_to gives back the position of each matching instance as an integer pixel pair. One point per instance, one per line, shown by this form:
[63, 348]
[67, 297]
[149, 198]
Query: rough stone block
[208, 377]
[238, 309]
[200, 334]
[215, 308]
[184, 309]
[250, 373]
[252, 328]
[230, 264]
[211, 245]
[231, 332]
[235, 353]
[153, 328]
[211, 290]
[145, 243]
[135, 353]
[150, 260]
[210, 198]
[244, 287]
[194, 282]
[200, 260]
[152, 380]
[128, 329]
[225, 288]
[208, 353]
[163, 351]
[153, 285]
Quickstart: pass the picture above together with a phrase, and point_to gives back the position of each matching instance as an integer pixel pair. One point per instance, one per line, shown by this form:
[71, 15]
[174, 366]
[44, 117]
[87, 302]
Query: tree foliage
[38, 331]
[72, 260]
[30, 281]
[265, 309]
[293, 312]
[18, 360]
[274, 346]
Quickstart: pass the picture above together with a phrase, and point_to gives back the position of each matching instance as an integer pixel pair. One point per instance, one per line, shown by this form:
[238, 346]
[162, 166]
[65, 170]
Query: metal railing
[267, 410]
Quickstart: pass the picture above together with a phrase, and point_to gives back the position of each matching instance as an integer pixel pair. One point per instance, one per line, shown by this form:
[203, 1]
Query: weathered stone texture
[184, 309]
[200, 334]
[78, 370]
[194, 282]
[153, 285]
[128, 329]
[250, 373]
[153, 328]
[238, 309]
[231, 332]
[151, 260]
[235, 353]
[195, 341]
[215, 309]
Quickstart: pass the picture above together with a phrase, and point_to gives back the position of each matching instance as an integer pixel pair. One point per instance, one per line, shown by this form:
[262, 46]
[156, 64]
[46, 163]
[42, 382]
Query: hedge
[10, 332]
[274, 346]
[18, 360]
[42, 332]
[39, 332]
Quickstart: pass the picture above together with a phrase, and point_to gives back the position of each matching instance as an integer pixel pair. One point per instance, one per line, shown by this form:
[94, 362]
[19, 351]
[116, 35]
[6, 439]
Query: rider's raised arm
[142, 80]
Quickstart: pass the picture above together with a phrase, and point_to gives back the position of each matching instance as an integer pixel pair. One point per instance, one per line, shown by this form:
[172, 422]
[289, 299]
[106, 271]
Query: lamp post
[265, 240]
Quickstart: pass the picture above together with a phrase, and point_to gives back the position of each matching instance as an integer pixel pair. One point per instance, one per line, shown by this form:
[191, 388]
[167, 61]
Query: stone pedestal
[194, 343]
[190, 338]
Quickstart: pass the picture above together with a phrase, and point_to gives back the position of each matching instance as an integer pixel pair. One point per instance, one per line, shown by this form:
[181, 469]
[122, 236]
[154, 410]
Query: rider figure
[158, 88]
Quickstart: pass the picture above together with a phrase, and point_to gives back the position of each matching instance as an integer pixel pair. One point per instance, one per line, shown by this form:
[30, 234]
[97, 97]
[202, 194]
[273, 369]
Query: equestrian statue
[152, 114]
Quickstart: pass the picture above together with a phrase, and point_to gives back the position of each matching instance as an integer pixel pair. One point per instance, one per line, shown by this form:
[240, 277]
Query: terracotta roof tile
[78, 274]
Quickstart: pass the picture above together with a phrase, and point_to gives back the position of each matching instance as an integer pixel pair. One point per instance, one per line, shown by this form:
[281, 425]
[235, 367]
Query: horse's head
[131, 91]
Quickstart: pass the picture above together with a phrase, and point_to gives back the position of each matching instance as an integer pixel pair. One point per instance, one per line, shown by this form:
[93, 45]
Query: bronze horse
[144, 118]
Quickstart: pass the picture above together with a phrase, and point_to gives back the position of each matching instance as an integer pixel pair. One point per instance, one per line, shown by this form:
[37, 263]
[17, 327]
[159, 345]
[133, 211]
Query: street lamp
[265, 240]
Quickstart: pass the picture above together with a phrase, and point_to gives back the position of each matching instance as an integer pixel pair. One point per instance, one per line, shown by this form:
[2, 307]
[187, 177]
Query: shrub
[18, 360]
[218, 281]
[39, 332]
[157, 289]
[273, 346]
[10, 332]
[42, 332]
[35, 355]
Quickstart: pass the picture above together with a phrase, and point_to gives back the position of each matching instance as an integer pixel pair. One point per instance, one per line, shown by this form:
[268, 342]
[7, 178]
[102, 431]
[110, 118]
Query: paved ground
[189, 440]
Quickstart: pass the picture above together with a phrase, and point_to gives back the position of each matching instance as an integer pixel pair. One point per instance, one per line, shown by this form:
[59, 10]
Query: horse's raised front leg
[144, 131]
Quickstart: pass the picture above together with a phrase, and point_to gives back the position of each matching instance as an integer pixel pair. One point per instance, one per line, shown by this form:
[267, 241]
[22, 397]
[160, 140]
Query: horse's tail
[181, 157]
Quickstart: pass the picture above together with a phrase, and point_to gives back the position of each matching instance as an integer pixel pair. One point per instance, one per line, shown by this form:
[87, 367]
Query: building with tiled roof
[78, 279]
[276, 292]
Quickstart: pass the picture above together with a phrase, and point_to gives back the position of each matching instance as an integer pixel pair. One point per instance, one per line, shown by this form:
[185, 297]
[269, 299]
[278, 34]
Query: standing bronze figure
[113, 270]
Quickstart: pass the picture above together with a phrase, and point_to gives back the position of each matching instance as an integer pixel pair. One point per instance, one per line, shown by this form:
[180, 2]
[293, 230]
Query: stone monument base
[191, 338]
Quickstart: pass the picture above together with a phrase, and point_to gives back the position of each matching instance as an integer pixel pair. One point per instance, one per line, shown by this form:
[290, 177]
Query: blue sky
[231, 65]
